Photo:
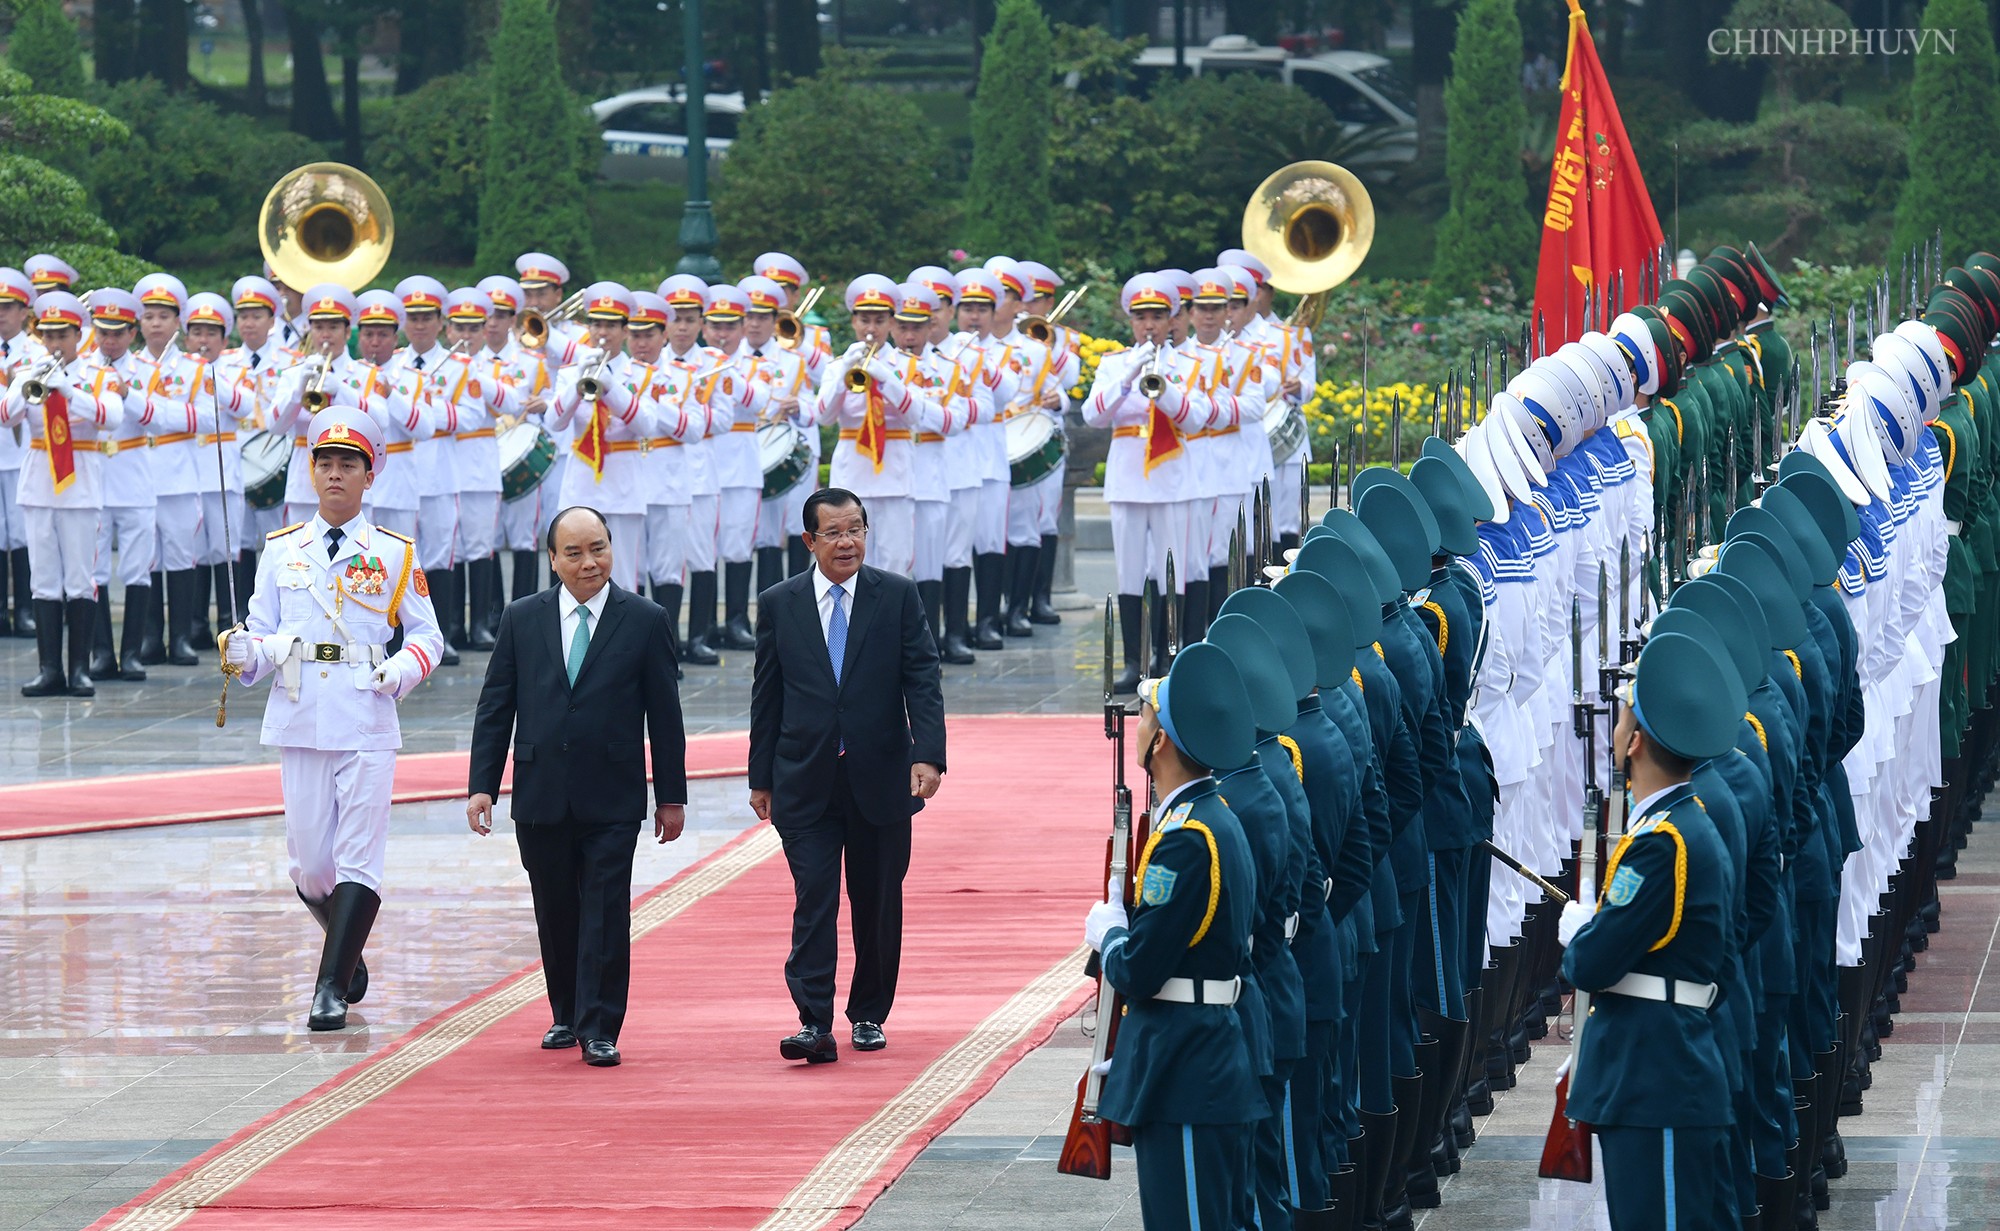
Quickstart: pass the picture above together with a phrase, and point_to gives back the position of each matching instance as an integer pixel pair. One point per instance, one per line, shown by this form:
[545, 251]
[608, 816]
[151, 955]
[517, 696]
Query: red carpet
[130, 801]
[467, 1126]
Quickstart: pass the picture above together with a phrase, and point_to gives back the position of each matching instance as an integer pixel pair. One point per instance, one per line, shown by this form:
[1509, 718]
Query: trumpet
[792, 322]
[532, 329]
[1151, 383]
[858, 379]
[1042, 329]
[590, 381]
[316, 398]
[34, 382]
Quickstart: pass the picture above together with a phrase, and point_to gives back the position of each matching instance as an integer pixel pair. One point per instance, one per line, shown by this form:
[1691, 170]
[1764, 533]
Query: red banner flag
[55, 434]
[1599, 221]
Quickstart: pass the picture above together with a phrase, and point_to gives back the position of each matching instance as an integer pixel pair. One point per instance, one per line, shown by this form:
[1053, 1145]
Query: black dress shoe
[811, 1044]
[601, 1053]
[868, 1037]
[558, 1038]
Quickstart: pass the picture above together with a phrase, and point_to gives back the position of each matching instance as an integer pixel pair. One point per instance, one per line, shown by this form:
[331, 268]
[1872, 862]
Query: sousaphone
[326, 222]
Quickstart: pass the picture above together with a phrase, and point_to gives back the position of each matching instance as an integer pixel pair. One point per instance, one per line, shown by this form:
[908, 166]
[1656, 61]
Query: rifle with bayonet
[1566, 1149]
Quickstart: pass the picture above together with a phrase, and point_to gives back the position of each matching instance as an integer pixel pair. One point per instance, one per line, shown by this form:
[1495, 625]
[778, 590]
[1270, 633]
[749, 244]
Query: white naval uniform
[175, 425]
[127, 524]
[436, 464]
[889, 488]
[337, 735]
[617, 490]
[987, 382]
[62, 525]
[474, 400]
[1149, 512]
[1067, 371]
[989, 522]
[677, 418]
[568, 344]
[219, 461]
[704, 490]
[1224, 461]
[18, 352]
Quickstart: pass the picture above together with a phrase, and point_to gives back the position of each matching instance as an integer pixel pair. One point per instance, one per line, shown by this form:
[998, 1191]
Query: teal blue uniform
[1182, 1078]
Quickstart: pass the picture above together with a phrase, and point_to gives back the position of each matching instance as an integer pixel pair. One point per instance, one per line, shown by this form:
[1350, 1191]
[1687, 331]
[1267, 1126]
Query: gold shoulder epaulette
[284, 530]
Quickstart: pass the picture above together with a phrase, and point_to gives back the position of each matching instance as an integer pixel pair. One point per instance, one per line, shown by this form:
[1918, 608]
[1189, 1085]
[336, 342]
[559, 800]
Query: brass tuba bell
[326, 222]
[1312, 224]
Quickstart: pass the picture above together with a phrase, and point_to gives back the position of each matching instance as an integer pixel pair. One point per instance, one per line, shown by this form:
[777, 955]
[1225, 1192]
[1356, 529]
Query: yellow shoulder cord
[1355, 674]
[1214, 872]
[1951, 446]
[1680, 429]
[1798, 669]
[1444, 629]
[402, 583]
[1378, 652]
[1759, 728]
[1680, 875]
[1291, 747]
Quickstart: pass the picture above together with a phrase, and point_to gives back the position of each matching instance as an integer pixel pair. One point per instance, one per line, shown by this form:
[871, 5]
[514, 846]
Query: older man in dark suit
[581, 672]
[845, 710]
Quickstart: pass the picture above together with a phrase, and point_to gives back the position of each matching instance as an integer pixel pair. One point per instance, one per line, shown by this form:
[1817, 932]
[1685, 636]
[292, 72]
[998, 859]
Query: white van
[645, 132]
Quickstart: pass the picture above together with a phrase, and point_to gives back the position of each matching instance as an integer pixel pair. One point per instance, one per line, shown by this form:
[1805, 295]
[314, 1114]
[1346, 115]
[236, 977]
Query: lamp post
[697, 220]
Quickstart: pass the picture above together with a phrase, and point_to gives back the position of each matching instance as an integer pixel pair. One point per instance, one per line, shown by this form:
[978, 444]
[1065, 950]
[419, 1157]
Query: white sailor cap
[1897, 418]
[1629, 332]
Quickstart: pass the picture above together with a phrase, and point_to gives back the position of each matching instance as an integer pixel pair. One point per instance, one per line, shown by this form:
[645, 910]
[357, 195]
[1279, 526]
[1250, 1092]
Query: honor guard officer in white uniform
[392, 392]
[65, 401]
[674, 417]
[171, 419]
[1148, 476]
[814, 346]
[686, 297]
[126, 469]
[49, 273]
[207, 321]
[604, 399]
[479, 399]
[18, 349]
[331, 592]
[533, 381]
[1066, 352]
[780, 519]
[435, 457]
[875, 458]
[1039, 392]
[734, 402]
[979, 293]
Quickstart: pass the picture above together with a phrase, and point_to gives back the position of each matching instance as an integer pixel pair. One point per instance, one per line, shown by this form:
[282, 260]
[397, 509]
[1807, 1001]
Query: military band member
[127, 523]
[1234, 382]
[681, 553]
[49, 273]
[177, 496]
[1043, 283]
[675, 418]
[331, 592]
[814, 347]
[982, 514]
[325, 371]
[780, 519]
[1291, 354]
[523, 518]
[542, 278]
[478, 398]
[61, 491]
[1038, 392]
[1178, 958]
[219, 464]
[734, 402]
[395, 396]
[294, 322]
[434, 458]
[1148, 477]
[18, 349]
[256, 302]
[612, 425]
[958, 366]
[916, 305]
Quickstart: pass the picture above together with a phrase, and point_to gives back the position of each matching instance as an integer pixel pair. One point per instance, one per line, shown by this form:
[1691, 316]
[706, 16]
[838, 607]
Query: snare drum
[1036, 447]
[526, 453]
[266, 455]
[1286, 427]
[785, 455]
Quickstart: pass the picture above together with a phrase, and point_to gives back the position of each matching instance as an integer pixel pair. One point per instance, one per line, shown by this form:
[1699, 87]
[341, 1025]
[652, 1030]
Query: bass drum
[786, 456]
[1286, 427]
[1036, 448]
[526, 453]
[266, 455]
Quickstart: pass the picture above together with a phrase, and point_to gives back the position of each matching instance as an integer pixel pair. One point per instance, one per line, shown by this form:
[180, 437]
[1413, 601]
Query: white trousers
[478, 524]
[628, 548]
[551, 492]
[1024, 516]
[133, 532]
[258, 524]
[928, 553]
[738, 525]
[210, 547]
[1051, 488]
[1201, 532]
[402, 521]
[892, 533]
[666, 544]
[62, 552]
[959, 516]
[437, 523]
[521, 520]
[336, 816]
[1141, 537]
[784, 519]
[1285, 498]
[13, 530]
[989, 527]
[700, 542]
[179, 521]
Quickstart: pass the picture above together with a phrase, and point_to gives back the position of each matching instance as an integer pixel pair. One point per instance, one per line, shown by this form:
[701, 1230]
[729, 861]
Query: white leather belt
[1326, 890]
[1653, 987]
[1291, 926]
[348, 652]
[1206, 991]
[1951, 527]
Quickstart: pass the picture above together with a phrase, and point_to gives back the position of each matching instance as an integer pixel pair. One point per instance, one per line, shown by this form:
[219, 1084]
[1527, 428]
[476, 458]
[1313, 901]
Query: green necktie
[579, 644]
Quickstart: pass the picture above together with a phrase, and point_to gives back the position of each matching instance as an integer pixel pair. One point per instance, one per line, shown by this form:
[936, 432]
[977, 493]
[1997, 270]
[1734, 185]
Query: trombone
[792, 322]
[857, 378]
[1042, 329]
[532, 329]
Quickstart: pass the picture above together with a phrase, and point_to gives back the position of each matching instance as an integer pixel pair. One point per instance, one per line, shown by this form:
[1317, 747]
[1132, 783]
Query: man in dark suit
[845, 709]
[576, 672]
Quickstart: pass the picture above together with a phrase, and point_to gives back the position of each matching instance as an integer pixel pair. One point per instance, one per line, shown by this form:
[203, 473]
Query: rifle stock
[1566, 1150]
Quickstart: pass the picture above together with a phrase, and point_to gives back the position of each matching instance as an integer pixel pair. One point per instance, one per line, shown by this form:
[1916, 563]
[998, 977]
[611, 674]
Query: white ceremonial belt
[1204, 991]
[1951, 527]
[1654, 987]
[1291, 926]
[345, 652]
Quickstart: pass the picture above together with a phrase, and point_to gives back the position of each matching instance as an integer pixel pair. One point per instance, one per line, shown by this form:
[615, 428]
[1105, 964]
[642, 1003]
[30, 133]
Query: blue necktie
[580, 643]
[836, 633]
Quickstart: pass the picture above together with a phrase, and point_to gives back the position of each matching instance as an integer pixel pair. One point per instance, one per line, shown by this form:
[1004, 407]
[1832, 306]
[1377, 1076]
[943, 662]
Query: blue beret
[1324, 614]
[1281, 622]
[1204, 710]
[1265, 679]
[1684, 698]
[1333, 558]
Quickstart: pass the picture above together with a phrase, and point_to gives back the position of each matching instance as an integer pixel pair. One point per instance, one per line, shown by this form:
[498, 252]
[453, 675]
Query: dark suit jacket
[888, 707]
[578, 752]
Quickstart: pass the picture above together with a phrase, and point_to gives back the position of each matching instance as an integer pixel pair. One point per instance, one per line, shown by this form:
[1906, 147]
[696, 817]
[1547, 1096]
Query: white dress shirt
[823, 596]
[569, 606]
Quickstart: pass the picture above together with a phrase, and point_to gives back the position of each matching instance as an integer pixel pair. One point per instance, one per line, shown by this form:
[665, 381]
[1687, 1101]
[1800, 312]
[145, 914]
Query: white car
[645, 132]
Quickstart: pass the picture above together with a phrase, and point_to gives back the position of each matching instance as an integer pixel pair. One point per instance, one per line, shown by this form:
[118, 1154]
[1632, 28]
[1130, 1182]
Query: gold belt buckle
[108, 447]
[327, 651]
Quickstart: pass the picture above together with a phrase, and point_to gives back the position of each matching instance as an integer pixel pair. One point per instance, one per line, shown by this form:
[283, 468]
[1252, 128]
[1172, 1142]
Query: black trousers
[877, 858]
[582, 880]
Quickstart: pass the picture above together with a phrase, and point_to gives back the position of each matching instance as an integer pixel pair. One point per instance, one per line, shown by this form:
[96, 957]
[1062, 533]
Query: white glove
[1574, 916]
[1103, 1066]
[388, 679]
[882, 370]
[1104, 916]
[1562, 1070]
[1171, 398]
[237, 648]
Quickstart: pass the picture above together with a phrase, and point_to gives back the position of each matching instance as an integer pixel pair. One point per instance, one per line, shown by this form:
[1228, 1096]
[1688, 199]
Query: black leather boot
[989, 572]
[180, 616]
[1377, 1143]
[350, 913]
[81, 617]
[48, 626]
[246, 584]
[736, 631]
[669, 598]
[445, 598]
[770, 567]
[1131, 612]
[25, 616]
[200, 633]
[357, 987]
[153, 644]
[451, 622]
[496, 602]
[1409, 1093]
[103, 657]
[483, 578]
[701, 620]
[226, 614]
[957, 645]
[1194, 612]
[527, 572]
[1158, 667]
[931, 594]
[137, 600]
[1043, 610]
[6, 612]
[1020, 563]
[797, 558]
